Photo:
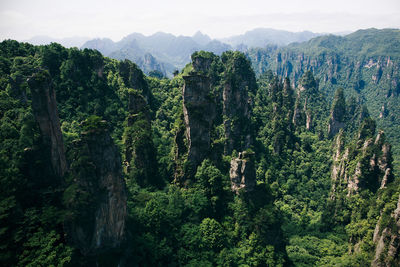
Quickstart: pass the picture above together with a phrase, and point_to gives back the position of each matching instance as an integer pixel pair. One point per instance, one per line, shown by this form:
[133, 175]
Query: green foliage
[351, 62]
[290, 218]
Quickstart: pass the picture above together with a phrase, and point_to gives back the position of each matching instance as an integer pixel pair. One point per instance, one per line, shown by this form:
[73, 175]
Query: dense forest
[102, 165]
[365, 64]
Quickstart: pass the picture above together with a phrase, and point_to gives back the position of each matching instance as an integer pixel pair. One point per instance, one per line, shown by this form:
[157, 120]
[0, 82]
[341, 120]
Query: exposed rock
[45, 110]
[16, 90]
[387, 241]
[180, 150]
[297, 113]
[199, 113]
[140, 157]
[100, 198]
[339, 165]
[377, 77]
[334, 126]
[237, 104]
[338, 113]
[384, 112]
[201, 64]
[243, 173]
[149, 63]
[308, 121]
[371, 170]
[137, 103]
[134, 78]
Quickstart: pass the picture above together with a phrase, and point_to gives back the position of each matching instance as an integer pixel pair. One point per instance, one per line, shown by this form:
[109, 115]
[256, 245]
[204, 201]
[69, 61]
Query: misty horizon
[22, 20]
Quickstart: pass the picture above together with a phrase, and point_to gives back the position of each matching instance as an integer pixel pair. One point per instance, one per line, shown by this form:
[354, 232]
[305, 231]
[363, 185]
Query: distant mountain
[169, 52]
[262, 37]
[201, 38]
[76, 41]
[104, 45]
[161, 51]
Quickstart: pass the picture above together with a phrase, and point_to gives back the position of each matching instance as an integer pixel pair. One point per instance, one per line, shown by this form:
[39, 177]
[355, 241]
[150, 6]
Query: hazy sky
[22, 19]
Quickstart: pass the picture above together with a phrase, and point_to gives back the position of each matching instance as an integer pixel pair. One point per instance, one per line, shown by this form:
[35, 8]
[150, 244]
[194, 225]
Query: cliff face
[140, 157]
[387, 241]
[372, 161]
[374, 76]
[45, 110]
[98, 196]
[242, 173]
[199, 113]
[237, 103]
[338, 114]
[134, 78]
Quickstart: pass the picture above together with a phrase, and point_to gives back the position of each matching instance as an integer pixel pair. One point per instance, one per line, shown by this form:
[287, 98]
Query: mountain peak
[201, 38]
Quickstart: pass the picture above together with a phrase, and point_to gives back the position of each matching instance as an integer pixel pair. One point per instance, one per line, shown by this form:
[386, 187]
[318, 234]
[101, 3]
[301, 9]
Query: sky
[23, 19]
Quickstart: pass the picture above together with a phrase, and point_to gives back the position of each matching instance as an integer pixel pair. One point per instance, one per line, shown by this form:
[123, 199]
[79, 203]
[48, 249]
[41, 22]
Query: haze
[23, 19]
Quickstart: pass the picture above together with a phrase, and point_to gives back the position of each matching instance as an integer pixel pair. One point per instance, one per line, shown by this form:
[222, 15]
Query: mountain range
[164, 52]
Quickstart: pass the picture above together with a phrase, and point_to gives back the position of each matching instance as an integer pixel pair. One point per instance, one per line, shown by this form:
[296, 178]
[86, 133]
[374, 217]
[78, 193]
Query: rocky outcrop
[237, 104]
[149, 63]
[384, 112]
[199, 113]
[137, 110]
[338, 173]
[134, 78]
[298, 117]
[384, 160]
[140, 156]
[387, 240]
[372, 161]
[44, 106]
[97, 198]
[308, 121]
[334, 126]
[242, 173]
[201, 64]
[338, 114]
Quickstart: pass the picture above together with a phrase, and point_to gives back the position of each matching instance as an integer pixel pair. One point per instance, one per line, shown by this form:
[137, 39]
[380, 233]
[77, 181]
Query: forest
[221, 165]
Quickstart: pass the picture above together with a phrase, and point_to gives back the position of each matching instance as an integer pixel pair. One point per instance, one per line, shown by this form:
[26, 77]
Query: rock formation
[45, 110]
[134, 78]
[337, 115]
[242, 173]
[140, 157]
[297, 113]
[372, 161]
[237, 104]
[339, 165]
[97, 198]
[387, 251]
[137, 104]
[199, 113]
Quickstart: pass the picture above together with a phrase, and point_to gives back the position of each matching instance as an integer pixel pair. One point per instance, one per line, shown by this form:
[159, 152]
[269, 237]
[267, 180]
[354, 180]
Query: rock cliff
[338, 114]
[140, 157]
[199, 113]
[97, 197]
[239, 83]
[44, 106]
[387, 241]
[368, 166]
[242, 173]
